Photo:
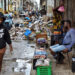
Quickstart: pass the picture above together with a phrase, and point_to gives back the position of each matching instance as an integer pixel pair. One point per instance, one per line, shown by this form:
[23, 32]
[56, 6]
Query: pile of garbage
[29, 28]
[23, 66]
[17, 33]
[28, 31]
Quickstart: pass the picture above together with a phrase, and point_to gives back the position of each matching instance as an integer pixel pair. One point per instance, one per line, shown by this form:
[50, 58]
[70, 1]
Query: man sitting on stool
[68, 41]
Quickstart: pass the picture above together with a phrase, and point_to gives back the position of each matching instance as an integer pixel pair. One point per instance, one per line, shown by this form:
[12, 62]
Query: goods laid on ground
[38, 32]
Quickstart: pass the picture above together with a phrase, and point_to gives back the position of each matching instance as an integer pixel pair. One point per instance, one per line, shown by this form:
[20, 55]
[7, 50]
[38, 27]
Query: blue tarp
[27, 18]
[27, 32]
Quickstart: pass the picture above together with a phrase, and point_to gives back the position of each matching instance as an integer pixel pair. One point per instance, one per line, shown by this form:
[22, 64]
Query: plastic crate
[44, 70]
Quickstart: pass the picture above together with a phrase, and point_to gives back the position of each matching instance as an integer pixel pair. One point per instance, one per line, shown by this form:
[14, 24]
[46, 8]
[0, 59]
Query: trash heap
[32, 30]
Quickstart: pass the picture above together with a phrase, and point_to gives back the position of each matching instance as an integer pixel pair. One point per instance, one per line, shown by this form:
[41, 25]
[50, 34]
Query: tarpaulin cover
[27, 32]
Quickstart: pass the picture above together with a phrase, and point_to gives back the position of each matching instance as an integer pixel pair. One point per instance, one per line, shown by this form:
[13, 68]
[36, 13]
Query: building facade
[69, 9]
[50, 6]
[4, 5]
[1, 5]
[43, 3]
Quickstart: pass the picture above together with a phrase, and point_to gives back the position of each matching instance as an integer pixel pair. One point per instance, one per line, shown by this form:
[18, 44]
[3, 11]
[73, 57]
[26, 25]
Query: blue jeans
[58, 48]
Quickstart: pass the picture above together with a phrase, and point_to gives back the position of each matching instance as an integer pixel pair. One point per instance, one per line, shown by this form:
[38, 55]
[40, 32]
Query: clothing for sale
[4, 37]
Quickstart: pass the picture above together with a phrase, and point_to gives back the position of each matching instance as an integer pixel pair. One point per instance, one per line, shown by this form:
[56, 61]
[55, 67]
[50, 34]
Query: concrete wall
[70, 10]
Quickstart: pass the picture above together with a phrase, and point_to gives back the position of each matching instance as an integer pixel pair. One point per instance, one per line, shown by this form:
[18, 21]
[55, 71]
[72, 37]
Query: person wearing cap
[4, 38]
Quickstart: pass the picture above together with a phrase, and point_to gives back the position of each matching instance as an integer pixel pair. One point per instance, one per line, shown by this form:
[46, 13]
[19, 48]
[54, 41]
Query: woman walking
[4, 38]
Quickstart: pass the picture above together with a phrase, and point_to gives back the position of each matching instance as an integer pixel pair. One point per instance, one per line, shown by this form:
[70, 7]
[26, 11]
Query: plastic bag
[27, 18]
[28, 32]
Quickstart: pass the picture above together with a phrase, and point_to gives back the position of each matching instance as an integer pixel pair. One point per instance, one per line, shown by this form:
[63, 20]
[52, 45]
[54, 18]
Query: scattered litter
[23, 66]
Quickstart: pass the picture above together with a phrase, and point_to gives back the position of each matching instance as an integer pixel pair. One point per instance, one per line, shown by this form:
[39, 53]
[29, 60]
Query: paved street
[42, 34]
[21, 50]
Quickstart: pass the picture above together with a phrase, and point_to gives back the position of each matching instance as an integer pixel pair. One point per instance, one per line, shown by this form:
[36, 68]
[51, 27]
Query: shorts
[58, 48]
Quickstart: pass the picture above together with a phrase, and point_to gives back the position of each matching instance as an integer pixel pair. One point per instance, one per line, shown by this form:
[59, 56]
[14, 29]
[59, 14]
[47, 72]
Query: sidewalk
[20, 51]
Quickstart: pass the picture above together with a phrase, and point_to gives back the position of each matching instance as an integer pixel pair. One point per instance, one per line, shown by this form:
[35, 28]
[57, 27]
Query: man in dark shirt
[4, 38]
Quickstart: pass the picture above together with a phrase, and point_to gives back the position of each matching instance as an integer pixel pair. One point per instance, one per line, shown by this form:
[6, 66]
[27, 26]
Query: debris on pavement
[23, 66]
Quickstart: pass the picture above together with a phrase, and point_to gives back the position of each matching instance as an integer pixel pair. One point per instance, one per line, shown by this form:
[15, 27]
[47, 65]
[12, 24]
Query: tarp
[27, 32]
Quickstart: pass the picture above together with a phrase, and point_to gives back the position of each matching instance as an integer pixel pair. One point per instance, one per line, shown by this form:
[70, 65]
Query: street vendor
[60, 8]
[57, 26]
[68, 41]
[4, 38]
